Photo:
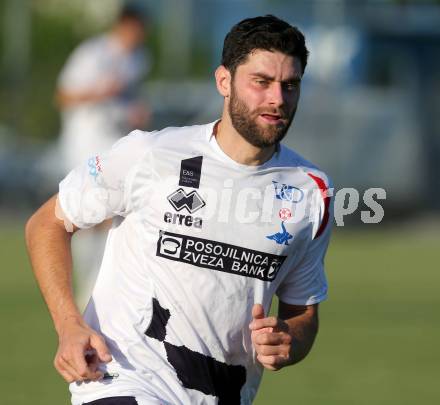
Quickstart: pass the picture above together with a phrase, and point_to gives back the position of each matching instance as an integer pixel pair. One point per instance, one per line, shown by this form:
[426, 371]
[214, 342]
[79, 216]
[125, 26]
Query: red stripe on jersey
[323, 188]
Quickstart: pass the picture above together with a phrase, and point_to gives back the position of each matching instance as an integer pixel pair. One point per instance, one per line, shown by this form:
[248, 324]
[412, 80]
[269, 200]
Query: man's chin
[274, 135]
[267, 140]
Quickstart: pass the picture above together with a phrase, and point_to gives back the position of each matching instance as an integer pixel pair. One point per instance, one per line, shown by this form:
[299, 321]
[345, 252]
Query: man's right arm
[81, 349]
[65, 98]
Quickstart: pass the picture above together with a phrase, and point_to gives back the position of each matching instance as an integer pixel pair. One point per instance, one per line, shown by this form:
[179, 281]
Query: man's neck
[238, 148]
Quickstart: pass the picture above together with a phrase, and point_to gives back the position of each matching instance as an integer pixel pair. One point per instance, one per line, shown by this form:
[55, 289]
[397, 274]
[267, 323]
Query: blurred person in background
[98, 88]
[98, 96]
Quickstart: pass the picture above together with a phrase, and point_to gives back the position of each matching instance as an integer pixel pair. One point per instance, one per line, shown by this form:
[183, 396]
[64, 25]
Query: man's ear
[223, 81]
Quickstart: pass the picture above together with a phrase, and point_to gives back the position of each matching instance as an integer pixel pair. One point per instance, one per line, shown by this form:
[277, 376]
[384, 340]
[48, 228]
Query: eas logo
[287, 193]
[190, 172]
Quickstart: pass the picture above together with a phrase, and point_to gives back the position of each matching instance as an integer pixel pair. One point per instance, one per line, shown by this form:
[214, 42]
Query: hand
[271, 339]
[106, 88]
[80, 351]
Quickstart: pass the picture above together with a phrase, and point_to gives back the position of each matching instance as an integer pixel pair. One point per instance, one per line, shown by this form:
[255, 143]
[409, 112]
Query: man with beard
[212, 221]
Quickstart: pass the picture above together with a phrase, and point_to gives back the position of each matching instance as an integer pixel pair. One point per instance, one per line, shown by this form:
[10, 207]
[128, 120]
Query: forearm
[49, 250]
[99, 92]
[303, 329]
[67, 99]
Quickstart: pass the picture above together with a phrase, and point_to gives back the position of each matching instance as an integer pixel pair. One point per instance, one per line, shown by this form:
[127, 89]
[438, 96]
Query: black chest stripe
[206, 374]
[196, 370]
[159, 320]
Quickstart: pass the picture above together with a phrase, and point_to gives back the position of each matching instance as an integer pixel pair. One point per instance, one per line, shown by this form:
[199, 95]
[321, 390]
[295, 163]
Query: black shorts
[114, 401]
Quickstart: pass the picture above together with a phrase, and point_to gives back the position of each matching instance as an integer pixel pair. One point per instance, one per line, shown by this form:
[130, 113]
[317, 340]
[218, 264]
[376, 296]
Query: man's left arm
[286, 339]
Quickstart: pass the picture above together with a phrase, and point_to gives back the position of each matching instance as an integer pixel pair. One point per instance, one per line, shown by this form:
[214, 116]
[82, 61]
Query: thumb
[97, 342]
[257, 311]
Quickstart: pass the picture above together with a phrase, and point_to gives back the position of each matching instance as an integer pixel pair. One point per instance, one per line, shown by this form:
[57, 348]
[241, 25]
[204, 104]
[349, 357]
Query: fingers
[272, 322]
[76, 364]
[274, 339]
[92, 360]
[63, 368]
[93, 364]
[273, 349]
[66, 370]
[273, 362]
[257, 311]
[272, 344]
[80, 352]
[282, 350]
[78, 361]
[259, 323]
[98, 343]
[67, 376]
[78, 369]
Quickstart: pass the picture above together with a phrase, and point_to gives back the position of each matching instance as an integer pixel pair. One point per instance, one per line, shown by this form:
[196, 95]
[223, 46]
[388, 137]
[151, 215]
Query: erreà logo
[180, 200]
[190, 170]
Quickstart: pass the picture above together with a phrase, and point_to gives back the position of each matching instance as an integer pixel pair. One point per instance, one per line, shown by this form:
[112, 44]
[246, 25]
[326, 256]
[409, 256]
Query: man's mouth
[272, 118]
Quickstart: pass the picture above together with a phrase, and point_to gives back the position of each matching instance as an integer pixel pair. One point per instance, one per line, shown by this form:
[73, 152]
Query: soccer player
[211, 221]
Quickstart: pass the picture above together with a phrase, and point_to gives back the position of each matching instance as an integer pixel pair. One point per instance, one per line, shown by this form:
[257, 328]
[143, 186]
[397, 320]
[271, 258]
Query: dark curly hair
[267, 33]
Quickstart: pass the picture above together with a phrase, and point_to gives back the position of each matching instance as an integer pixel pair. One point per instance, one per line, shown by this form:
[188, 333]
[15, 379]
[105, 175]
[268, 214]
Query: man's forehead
[271, 63]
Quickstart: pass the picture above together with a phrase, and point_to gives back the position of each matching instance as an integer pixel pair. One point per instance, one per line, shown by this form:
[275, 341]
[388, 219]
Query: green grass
[378, 340]
[27, 340]
[379, 332]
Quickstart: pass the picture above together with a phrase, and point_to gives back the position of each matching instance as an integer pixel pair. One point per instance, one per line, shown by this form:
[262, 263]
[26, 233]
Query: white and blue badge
[287, 193]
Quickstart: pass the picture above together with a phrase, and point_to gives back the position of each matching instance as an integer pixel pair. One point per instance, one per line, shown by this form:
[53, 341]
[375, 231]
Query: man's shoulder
[179, 135]
[292, 159]
[169, 136]
[93, 44]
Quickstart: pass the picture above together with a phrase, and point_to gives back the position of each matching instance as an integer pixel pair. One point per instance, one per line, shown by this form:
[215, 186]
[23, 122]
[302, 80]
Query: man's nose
[276, 94]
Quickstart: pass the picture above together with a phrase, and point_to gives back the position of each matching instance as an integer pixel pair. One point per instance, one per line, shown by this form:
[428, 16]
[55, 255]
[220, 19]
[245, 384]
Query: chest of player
[215, 217]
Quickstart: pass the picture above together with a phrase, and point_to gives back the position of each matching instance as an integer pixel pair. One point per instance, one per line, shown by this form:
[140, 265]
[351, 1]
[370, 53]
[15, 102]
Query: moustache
[278, 113]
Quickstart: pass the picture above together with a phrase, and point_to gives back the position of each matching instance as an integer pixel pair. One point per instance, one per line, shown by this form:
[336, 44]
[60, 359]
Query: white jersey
[94, 126]
[199, 239]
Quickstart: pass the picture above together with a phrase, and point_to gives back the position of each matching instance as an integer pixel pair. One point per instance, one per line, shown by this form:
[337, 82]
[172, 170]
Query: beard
[245, 123]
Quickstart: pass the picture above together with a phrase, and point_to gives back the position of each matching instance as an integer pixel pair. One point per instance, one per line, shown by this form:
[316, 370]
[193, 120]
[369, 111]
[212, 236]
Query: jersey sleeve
[306, 283]
[100, 188]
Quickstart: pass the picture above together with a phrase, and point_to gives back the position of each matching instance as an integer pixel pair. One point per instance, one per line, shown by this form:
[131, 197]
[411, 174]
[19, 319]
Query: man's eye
[291, 86]
[262, 82]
